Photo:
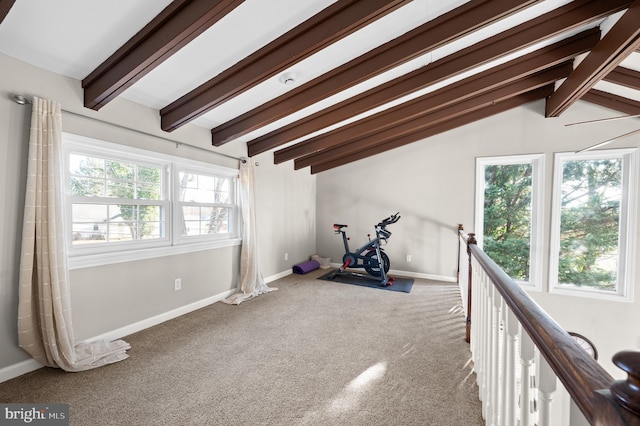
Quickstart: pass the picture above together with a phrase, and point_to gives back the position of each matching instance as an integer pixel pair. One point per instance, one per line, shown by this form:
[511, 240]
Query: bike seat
[338, 226]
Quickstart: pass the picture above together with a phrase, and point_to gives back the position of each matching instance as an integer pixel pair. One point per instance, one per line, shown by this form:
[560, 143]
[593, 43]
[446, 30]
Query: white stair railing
[529, 371]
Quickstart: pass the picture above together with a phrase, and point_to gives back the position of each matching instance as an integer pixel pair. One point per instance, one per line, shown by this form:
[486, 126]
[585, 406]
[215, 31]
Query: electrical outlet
[178, 284]
[408, 258]
[286, 256]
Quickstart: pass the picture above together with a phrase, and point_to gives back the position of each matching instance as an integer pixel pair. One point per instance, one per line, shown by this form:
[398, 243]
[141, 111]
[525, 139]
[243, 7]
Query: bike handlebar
[390, 220]
[337, 227]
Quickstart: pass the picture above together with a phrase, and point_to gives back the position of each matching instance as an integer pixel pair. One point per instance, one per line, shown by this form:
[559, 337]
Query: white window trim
[89, 261]
[132, 251]
[537, 210]
[628, 219]
[178, 238]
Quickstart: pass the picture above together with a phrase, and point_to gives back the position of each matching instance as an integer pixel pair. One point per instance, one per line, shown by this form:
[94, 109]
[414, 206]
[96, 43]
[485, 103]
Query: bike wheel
[372, 266]
[585, 344]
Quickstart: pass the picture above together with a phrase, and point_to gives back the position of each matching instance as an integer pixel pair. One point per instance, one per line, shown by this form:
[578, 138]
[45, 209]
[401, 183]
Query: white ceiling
[73, 37]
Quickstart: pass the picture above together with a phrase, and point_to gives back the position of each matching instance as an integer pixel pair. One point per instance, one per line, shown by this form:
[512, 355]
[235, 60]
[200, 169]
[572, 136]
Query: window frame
[206, 171]
[110, 153]
[627, 224]
[537, 210]
[172, 243]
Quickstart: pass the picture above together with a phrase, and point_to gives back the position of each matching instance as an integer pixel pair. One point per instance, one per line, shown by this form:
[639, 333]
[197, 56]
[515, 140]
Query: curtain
[251, 282]
[45, 329]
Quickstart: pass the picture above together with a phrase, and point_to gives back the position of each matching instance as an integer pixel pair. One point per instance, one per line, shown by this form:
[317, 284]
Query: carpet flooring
[311, 353]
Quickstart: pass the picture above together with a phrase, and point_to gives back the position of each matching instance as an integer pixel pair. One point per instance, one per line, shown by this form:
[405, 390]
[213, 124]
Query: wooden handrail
[601, 400]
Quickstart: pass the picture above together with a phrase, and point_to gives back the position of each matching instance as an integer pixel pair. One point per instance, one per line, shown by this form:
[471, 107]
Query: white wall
[116, 297]
[432, 184]
[288, 224]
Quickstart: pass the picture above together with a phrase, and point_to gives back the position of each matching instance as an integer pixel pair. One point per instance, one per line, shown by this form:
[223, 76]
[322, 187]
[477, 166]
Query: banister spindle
[627, 392]
[510, 392]
[482, 325]
[547, 384]
[527, 353]
[496, 340]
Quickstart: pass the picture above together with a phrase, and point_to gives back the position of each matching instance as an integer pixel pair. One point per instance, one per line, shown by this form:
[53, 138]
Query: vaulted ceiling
[328, 82]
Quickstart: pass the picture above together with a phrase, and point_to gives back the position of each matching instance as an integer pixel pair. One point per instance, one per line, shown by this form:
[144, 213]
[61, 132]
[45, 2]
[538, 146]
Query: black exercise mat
[398, 284]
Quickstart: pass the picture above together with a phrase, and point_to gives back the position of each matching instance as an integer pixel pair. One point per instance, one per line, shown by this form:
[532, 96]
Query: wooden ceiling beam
[5, 7]
[462, 120]
[625, 77]
[441, 106]
[173, 28]
[566, 18]
[545, 57]
[541, 79]
[437, 32]
[335, 22]
[611, 101]
[621, 40]
[456, 93]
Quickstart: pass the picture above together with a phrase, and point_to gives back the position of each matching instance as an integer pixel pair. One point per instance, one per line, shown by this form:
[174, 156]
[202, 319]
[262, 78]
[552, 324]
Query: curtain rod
[21, 100]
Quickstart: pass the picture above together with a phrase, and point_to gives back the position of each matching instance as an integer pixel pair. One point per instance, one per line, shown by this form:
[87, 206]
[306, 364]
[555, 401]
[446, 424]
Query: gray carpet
[311, 353]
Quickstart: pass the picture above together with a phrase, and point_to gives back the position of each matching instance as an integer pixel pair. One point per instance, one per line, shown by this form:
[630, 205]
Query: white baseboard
[15, 370]
[423, 276]
[278, 276]
[413, 274]
[158, 319]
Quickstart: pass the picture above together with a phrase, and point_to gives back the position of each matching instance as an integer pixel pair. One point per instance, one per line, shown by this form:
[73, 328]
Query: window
[124, 203]
[593, 223]
[115, 200]
[206, 204]
[508, 214]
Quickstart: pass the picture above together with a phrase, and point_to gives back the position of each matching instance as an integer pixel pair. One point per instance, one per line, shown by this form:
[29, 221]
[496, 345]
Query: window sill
[89, 261]
[591, 294]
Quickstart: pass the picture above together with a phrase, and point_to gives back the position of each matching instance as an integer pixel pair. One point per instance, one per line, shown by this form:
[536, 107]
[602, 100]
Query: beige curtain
[251, 282]
[45, 328]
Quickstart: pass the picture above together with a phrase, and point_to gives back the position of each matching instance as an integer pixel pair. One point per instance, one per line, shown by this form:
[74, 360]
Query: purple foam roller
[304, 267]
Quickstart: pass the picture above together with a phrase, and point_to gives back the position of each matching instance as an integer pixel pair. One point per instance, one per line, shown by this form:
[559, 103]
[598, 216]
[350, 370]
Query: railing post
[627, 392]
[470, 240]
[460, 229]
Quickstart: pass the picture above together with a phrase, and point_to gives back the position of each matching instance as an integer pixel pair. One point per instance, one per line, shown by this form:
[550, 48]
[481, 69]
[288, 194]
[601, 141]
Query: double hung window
[206, 206]
[115, 200]
[120, 199]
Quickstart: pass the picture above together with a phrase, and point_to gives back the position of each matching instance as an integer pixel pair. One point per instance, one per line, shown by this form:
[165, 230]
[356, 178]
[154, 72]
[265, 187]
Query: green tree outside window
[590, 223]
[123, 181]
[507, 217]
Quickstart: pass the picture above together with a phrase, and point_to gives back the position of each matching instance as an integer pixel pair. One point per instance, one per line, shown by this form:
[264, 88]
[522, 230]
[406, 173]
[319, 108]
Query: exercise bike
[370, 256]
